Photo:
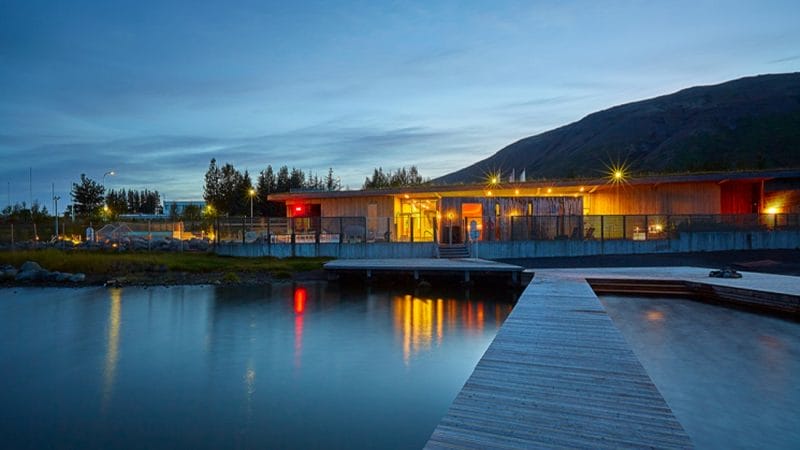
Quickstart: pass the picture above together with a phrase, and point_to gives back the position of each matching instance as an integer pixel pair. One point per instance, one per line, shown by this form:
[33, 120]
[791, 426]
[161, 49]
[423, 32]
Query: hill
[749, 123]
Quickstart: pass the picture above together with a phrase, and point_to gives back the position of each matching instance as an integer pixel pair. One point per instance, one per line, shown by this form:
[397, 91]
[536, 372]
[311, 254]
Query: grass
[98, 262]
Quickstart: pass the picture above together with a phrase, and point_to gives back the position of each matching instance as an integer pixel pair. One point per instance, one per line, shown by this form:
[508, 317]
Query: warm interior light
[516, 191]
[582, 189]
[488, 193]
[549, 190]
[405, 195]
[772, 210]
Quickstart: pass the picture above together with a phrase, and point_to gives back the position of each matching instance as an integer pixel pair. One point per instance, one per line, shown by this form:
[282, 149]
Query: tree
[331, 183]
[297, 179]
[400, 177]
[282, 183]
[192, 213]
[211, 190]
[87, 196]
[117, 201]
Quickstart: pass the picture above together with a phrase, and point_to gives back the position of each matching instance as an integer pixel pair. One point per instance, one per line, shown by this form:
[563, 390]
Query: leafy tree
[173, 211]
[87, 196]
[192, 213]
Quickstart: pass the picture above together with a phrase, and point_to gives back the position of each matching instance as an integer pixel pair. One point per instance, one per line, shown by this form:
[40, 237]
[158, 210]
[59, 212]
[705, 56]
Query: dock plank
[559, 375]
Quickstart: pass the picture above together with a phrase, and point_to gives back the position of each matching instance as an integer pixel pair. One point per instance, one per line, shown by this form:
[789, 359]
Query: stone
[30, 275]
[63, 276]
[8, 274]
[30, 265]
[77, 277]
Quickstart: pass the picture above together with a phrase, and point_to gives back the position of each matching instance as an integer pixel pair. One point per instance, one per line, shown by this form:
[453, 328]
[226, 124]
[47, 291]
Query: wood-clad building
[489, 211]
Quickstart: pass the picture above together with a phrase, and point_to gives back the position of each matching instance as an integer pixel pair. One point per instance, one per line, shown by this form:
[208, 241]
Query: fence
[307, 230]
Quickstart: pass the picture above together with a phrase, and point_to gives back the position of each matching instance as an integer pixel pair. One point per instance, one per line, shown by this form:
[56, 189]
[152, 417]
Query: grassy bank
[103, 263]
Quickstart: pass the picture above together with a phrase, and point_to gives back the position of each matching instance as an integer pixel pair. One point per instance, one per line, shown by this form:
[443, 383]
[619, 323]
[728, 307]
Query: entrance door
[472, 212]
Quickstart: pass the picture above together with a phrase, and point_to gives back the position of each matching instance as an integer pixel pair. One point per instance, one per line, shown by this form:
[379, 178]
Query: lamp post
[252, 194]
[56, 199]
[111, 173]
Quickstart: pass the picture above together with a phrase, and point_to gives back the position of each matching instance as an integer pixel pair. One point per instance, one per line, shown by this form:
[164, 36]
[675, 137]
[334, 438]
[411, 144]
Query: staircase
[455, 251]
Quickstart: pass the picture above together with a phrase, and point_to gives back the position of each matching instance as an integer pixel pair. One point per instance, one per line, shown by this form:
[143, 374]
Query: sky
[154, 90]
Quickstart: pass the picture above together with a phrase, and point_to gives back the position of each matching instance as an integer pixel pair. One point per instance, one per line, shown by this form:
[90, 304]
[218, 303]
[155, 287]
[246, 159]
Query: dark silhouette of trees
[87, 196]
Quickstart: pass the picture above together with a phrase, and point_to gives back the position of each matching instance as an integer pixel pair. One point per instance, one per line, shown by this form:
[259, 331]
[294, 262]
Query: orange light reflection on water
[418, 320]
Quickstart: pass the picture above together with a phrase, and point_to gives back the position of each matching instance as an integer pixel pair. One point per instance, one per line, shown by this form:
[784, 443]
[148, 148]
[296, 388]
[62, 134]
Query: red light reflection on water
[300, 296]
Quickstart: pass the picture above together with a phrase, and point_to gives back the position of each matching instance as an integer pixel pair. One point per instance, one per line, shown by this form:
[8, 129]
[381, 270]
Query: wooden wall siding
[541, 206]
[356, 206]
[739, 197]
[678, 198]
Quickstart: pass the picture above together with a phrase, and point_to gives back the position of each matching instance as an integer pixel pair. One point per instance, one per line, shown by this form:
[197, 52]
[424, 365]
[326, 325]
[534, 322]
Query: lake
[277, 366]
[731, 377]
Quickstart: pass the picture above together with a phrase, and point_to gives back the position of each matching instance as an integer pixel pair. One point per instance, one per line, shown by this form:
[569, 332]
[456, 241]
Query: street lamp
[111, 173]
[252, 194]
[56, 199]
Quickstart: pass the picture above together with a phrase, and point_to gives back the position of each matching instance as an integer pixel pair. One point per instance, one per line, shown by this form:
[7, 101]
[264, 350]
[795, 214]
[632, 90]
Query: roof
[588, 184]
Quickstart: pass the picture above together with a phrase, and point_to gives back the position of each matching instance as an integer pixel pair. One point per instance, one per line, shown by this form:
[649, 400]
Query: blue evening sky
[154, 90]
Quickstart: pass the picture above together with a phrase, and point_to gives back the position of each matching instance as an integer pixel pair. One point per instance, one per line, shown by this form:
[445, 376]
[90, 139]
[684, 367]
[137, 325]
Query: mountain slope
[750, 123]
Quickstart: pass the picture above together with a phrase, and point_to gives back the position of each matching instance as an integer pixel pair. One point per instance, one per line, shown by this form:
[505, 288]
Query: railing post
[411, 227]
[341, 231]
[602, 229]
[624, 230]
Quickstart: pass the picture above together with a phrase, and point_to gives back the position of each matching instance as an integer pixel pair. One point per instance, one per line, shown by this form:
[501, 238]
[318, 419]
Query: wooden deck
[465, 268]
[559, 374]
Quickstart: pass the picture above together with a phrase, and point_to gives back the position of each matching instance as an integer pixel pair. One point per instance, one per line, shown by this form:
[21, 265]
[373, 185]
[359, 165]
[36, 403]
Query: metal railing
[309, 230]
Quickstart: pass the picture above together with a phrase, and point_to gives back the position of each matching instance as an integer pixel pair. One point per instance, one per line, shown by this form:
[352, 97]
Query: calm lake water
[732, 378]
[282, 366]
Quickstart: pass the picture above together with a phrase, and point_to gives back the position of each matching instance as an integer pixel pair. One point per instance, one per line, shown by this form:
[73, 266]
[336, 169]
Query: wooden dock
[465, 269]
[559, 374]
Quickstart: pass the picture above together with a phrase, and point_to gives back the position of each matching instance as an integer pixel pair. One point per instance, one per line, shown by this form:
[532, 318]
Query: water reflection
[419, 320]
[300, 296]
[112, 348]
[308, 365]
[729, 376]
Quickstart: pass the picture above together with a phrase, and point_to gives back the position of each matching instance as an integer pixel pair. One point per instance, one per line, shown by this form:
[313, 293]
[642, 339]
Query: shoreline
[780, 262]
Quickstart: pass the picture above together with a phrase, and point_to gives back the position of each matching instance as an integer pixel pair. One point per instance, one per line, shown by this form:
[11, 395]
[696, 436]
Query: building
[618, 206]
[179, 206]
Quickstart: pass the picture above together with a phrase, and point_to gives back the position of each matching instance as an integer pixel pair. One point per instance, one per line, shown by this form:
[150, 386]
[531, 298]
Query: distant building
[180, 206]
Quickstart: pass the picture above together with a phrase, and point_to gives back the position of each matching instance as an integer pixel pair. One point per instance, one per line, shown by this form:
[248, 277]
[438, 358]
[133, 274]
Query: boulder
[30, 265]
[62, 277]
[31, 275]
[77, 277]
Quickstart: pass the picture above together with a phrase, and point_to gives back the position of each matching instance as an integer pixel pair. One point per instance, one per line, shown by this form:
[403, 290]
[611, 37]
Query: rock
[62, 277]
[30, 265]
[725, 273]
[9, 273]
[31, 275]
[77, 277]
[50, 276]
[198, 244]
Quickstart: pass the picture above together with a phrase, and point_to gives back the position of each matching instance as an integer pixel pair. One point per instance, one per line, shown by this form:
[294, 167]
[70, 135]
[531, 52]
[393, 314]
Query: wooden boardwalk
[559, 375]
[463, 268]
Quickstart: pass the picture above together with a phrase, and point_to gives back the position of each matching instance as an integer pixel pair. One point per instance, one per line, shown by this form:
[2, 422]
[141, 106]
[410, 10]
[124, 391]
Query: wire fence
[307, 230]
